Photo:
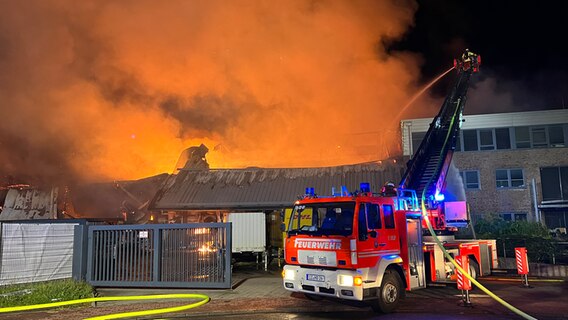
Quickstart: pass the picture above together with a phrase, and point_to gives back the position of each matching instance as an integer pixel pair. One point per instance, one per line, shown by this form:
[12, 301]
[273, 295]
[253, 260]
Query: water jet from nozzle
[419, 93]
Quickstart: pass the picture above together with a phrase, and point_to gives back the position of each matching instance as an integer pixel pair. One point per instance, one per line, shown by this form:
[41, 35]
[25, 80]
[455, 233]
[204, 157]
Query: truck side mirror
[373, 234]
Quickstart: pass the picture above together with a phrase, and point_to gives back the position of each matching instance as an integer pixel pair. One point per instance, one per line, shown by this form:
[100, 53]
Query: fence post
[80, 250]
[157, 235]
[1, 252]
[228, 254]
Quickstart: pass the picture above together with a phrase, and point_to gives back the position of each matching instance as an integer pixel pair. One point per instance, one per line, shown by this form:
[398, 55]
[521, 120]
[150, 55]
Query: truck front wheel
[389, 294]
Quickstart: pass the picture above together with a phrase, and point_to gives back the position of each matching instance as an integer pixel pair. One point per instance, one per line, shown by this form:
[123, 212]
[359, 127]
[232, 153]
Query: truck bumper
[330, 283]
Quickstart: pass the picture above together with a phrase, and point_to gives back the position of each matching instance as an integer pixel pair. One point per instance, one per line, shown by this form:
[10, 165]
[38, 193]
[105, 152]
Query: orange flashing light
[357, 281]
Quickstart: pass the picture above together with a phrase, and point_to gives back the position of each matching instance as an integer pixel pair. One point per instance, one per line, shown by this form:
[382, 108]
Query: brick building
[511, 164]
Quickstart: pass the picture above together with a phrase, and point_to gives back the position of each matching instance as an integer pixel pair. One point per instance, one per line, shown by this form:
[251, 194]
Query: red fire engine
[371, 247]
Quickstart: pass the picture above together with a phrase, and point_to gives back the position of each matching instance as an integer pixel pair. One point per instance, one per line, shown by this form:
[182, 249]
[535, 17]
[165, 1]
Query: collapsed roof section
[29, 203]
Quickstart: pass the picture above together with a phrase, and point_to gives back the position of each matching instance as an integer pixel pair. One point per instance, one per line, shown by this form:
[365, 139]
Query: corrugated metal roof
[29, 204]
[264, 188]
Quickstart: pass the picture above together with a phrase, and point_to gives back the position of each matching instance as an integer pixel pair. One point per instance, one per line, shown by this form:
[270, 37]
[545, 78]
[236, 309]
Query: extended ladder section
[430, 163]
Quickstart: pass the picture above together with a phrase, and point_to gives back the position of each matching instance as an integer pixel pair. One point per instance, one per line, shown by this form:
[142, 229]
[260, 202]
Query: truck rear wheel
[473, 269]
[389, 294]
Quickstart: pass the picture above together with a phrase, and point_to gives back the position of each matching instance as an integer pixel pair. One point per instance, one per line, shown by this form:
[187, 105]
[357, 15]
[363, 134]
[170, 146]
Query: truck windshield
[322, 219]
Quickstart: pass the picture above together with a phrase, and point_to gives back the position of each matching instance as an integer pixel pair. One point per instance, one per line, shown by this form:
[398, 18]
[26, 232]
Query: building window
[522, 137]
[554, 183]
[514, 216]
[503, 138]
[556, 136]
[556, 219]
[486, 141]
[509, 178]
[470, 179]
[470, 140]
[417, 138]
[545, 136]
[539, 137]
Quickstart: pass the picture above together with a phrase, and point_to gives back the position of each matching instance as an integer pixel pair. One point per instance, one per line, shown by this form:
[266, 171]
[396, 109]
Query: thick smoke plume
[98, 90]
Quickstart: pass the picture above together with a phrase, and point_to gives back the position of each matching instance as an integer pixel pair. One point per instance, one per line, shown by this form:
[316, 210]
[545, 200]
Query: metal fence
[165, 255]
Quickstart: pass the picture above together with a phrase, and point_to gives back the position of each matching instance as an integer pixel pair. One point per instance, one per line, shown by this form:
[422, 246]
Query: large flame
[117, 89]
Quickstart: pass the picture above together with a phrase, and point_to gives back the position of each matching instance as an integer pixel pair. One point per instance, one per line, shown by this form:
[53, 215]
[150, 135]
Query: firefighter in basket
[470, 60]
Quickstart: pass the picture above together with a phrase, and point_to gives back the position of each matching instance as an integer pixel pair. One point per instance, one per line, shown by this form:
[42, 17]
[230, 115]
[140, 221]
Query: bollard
[464, 283]
[522, 265]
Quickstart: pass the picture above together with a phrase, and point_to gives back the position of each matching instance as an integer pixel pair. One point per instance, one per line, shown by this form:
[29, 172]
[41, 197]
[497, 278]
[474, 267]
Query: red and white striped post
[464, 283]
[522, 264]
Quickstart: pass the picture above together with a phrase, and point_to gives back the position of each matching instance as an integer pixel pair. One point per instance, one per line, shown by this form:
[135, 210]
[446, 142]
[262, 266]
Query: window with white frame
[509, 178]
[543, 136]
[503, 138]
[470, 179]
[522, 137]
[470, 140]
[539, 139]
[486, 141]
[556, 136]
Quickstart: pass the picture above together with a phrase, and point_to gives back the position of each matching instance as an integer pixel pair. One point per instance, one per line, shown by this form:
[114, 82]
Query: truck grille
[326, 290]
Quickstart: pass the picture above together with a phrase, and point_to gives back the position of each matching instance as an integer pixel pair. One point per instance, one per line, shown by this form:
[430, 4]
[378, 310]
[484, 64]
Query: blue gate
[160, 255]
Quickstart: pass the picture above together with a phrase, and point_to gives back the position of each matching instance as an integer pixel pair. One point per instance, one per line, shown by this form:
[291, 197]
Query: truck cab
[346, 246]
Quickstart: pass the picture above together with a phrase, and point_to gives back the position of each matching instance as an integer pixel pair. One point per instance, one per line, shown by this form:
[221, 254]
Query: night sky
[522, 44]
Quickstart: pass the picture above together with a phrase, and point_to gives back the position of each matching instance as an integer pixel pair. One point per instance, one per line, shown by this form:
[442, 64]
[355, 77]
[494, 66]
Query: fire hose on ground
[204, 299]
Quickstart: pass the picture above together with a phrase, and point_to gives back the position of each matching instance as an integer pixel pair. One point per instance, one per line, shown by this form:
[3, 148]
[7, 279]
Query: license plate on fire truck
[315, 277]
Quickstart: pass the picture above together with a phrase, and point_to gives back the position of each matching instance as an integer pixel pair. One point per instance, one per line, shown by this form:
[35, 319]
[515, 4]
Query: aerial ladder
[433, 157]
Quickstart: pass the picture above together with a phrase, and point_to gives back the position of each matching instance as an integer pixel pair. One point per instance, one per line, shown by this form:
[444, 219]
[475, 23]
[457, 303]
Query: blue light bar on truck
[310, 191]
[365, 187]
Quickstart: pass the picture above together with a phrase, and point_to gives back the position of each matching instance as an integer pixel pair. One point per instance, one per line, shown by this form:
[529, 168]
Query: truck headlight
[288, 274]
[349, 281]
[345, 280]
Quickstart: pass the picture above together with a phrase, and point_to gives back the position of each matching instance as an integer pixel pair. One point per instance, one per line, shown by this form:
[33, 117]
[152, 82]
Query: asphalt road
[545, 299]
[260, 295]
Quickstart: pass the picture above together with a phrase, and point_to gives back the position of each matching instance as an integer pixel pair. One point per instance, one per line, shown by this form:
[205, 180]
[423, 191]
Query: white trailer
[249, 234]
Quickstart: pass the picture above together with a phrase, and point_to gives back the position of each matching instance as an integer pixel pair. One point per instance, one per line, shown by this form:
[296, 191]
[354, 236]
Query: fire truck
[373, 246]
